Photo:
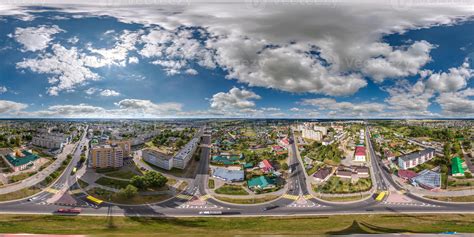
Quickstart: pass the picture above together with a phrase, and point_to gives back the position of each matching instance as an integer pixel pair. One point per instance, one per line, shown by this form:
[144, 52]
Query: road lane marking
[291, 197]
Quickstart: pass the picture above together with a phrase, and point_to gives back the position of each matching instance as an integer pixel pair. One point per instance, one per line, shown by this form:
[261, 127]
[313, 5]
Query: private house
[228, 175]
[261, 183]
[456, 167]
[266, 166]
[21, 160]
[415, 158]
[323, 174]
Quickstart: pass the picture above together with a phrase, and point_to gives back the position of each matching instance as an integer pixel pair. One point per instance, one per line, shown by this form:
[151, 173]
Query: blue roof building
[228, 174]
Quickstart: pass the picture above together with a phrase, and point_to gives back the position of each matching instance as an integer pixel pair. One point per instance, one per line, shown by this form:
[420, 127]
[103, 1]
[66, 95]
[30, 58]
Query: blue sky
[213, 60]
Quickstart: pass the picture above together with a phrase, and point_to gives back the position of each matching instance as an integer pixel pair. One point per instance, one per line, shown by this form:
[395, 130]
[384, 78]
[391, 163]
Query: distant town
[224, 166]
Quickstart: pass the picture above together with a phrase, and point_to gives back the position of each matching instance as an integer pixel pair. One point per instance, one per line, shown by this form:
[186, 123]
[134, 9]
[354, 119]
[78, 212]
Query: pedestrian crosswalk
[308, 196]
[306, 205]
[184, 196]
[52, 190]
[409, 204]
[291, 197]
[205, 197]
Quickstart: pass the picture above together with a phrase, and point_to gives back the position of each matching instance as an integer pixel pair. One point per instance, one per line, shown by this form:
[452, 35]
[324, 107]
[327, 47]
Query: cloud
[451, 81]
[236, 100]
[3, 89]
[36, 38]
[133, 60]
[459, 103]
[410, 100]
[149, 108]
[66, 65]
[108, 93]
[398, 63]
[344, 109]
[11, 107]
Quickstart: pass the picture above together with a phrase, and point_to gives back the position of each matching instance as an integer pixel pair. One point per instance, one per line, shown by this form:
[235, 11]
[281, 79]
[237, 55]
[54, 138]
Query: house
[344, 174]
[284, 142]
[228, 175]
[266, 166]
[323, 174]
[359, 154]
[415, 158]
[361, 171]
[428, 179]
[407, 175]
[456, 166]
[21, 160]
[277, 148]
[261, 183]
[389, 155]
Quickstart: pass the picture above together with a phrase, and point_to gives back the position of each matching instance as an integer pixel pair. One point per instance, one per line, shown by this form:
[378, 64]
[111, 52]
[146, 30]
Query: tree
[285, 166]
[128, 192]
[138, 182]
[154, 179]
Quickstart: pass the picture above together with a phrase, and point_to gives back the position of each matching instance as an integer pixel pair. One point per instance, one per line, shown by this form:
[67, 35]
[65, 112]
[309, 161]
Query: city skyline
[318, 59]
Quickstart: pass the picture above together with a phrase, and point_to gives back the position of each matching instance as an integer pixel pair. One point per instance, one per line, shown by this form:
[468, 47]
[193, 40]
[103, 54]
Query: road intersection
[194, 199]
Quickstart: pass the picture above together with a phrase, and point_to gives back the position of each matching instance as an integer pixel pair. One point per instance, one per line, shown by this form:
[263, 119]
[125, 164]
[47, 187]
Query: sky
[249, 59]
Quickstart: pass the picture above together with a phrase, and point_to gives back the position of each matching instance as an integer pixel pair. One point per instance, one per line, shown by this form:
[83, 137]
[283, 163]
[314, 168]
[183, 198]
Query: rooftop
[417, 154]
[21, 158]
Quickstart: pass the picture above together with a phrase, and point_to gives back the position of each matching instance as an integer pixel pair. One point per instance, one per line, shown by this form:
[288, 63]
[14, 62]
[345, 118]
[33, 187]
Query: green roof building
[261, 182]
[21, 160]
[456, 166]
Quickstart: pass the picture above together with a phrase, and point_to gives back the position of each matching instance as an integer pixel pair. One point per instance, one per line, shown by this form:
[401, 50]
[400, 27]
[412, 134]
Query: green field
[113, 183]
[230, 189]
[322, 225]
[120, 174]
[266, 198]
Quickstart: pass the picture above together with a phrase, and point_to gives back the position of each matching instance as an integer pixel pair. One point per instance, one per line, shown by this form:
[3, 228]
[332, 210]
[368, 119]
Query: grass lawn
[247, 200]
[138, 199]
[453, 199]
[20, 177]
[230, 189]
[344, 199]
[82, 183]
[113, 183]
[337, 185]
[121, 174]
[183, 185]
[323, 225]
[22, 193]
[210, 183]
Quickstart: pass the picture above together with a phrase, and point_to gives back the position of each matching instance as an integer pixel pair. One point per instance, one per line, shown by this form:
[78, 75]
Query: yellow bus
[380, 196]
[74, 170]
[94, 200]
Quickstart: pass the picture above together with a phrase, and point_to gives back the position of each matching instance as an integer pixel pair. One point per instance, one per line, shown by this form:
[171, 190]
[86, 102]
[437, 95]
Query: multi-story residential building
[181, 159]
[124, 144]
[51, 140]
[312, 134]
[167, 161]
[105, 156]
[158, 158]
[415, 158]
[322, 129]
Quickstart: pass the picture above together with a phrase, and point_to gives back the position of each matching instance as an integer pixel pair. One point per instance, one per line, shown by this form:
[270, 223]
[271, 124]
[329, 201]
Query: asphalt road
[281, 207]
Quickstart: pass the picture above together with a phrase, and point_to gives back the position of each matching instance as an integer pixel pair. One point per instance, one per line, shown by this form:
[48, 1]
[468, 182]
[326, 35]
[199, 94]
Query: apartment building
[158, 158]
[415, 158]
[183, 157]
[124, 144]
[105, 156]
[312, 134]
[167, 161]
[51, 140]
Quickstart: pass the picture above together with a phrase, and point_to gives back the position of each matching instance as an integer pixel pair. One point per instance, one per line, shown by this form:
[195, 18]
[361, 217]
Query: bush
[128, 192]
[468, 175]
[151, 179]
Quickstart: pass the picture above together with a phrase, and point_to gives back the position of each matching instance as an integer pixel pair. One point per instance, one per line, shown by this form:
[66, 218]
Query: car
[270, 208]
[143, 168]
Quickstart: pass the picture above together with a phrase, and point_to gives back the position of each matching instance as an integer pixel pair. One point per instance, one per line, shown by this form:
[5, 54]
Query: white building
[312, 134]
[181, 159]
[158, 158]
[415, 158]
[322, 129]
[51, 140]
